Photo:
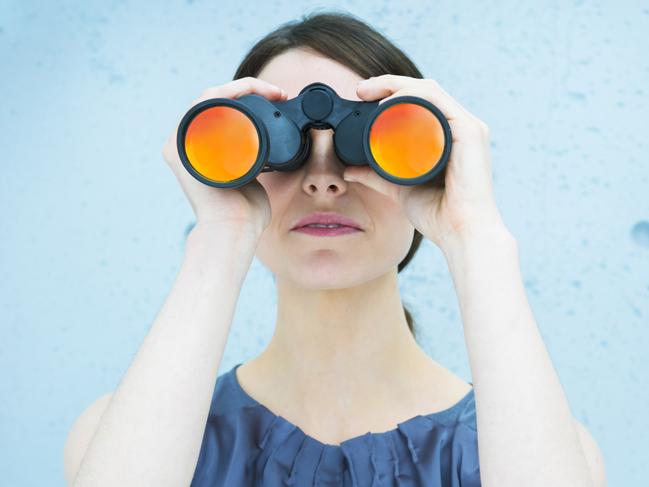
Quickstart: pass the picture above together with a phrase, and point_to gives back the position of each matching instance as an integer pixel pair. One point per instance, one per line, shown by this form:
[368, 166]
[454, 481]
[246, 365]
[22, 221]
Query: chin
[328, 275]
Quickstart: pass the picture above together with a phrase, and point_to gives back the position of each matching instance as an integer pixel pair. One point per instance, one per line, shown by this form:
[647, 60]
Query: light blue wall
[93, 222]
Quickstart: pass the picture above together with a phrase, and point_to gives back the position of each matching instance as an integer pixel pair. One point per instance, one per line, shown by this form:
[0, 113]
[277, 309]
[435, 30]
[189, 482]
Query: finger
[392, 86]
[249, 85]
[240, 87]
[367, 176]
[378, 87]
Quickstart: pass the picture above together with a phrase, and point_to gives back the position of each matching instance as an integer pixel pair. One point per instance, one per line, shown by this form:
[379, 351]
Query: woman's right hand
[243, 209]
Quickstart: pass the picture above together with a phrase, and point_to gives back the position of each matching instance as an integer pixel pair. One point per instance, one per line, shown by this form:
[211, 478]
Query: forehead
[294, 69]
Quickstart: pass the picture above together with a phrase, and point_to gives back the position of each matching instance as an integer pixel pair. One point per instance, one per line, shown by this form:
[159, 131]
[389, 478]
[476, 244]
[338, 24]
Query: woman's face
[326, 262]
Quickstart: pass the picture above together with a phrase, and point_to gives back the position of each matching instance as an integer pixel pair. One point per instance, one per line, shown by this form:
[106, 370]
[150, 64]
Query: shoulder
[459, 415]
[455, 395]
[466, 410]
[227, 396]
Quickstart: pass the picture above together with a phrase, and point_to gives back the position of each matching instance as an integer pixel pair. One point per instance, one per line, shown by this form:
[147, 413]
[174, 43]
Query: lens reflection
[407, 140]
[222, 143]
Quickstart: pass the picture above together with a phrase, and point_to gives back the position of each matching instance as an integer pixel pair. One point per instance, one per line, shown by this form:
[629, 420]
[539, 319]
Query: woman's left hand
[467, 202]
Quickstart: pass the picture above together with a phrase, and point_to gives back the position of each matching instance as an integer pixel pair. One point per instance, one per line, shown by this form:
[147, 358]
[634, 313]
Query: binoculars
[226, 142]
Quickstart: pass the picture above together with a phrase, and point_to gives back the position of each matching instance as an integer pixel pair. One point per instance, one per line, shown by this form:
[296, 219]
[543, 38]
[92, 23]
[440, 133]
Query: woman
[342, 395]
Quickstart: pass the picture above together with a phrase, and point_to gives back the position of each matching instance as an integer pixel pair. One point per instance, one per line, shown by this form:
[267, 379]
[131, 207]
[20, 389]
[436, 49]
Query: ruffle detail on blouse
[246, 444]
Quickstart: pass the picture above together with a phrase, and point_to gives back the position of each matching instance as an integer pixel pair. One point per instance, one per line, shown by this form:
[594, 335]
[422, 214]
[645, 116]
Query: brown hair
[347, 40]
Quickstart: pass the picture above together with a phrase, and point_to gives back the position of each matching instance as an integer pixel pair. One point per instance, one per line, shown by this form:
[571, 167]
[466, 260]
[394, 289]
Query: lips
[327, 218]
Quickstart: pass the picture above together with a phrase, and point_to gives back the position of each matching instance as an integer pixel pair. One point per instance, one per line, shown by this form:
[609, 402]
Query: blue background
[93, 221]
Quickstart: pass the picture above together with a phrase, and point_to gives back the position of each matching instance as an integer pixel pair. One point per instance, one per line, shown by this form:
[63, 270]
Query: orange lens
[222, 143]
[406, 140]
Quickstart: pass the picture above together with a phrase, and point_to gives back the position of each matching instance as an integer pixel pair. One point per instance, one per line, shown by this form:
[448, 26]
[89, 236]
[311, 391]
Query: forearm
[151, 432]
[526, 431]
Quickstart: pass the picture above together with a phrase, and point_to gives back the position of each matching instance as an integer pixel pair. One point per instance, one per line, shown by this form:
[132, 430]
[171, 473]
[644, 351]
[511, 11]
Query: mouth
[327, 223]
[321, 230]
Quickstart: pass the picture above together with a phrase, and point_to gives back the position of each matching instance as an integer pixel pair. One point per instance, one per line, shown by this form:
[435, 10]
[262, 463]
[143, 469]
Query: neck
[359, 331]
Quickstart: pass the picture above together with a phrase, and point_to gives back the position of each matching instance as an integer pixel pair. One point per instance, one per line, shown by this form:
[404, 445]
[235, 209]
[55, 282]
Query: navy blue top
[246, 444]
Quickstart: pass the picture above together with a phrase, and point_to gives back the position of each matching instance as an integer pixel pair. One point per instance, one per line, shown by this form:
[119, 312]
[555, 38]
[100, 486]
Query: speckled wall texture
[93, 222]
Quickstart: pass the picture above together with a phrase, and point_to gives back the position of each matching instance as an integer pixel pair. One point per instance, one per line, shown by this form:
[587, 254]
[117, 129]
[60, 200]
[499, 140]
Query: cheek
[398, 238]
[276, 181]
[270, 245]
[393, 231]
[275, 185]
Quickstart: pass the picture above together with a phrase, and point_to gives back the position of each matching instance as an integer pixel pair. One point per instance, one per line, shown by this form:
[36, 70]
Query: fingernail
[349, 178]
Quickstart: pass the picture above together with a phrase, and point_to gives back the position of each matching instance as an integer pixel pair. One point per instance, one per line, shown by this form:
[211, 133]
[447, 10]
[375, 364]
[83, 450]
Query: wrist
[210, 232]
[222, 248]
[482, 256]
[483, 237]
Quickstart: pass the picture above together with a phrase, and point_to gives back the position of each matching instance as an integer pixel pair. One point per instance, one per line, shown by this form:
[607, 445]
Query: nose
[323, 170]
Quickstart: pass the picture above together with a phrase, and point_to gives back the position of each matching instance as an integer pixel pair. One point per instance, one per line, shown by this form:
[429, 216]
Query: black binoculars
[226, 142]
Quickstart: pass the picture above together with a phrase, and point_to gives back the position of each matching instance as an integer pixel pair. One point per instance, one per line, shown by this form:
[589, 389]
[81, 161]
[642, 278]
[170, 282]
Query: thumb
[367, 176]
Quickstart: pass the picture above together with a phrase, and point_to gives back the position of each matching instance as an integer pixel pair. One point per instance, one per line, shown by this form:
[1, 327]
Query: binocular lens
[222, 143]
[406, 140]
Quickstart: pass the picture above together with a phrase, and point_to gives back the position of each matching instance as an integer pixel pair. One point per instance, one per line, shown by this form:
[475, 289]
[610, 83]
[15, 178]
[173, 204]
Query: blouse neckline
[445, 417]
